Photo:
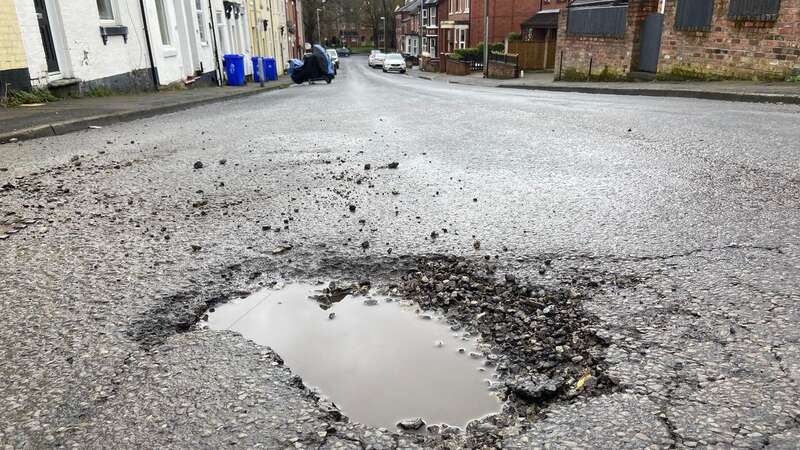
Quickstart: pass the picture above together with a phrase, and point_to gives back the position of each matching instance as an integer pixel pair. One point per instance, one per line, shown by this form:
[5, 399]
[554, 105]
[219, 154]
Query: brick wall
[616, 56]
[505, 16]
[501, 70]
[12, 53]
[732, 49]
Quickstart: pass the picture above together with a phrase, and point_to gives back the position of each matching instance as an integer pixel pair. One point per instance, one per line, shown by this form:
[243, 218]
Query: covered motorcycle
[316, 66]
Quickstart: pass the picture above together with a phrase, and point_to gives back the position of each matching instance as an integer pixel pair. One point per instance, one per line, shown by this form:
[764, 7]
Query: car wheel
[384, 69]
[403, 71]
[328, 79]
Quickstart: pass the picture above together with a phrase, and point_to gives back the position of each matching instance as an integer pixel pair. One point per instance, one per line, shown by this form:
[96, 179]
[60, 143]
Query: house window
[432, 45]
[754, 10]
[222, 32]
[602, 21]
[105, 9]
[201, 21]
[466, 6]
[461, 38]
[694, 15]
[163, 23]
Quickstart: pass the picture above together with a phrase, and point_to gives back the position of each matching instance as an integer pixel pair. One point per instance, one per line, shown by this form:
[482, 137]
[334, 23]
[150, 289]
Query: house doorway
[651, 42]
[50, 55]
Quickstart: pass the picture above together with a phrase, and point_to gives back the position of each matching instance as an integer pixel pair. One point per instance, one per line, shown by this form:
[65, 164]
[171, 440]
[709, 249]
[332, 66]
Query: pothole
[380, 360]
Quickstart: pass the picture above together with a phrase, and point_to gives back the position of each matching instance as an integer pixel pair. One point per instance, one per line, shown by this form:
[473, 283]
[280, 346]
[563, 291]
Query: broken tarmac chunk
[411, 424]
[537, 388]
[393, 165]
[281, 249]
[198, 165]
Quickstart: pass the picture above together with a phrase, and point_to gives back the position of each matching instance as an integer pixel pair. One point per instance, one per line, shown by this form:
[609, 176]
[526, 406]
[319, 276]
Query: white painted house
[64, 45]
[181, 38]
[118, 44]
[232, 30]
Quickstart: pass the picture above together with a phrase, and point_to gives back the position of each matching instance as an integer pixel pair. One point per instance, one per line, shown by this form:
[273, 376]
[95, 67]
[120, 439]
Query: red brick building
[601, 36]
[717, 38]
[505, 16]
[702, 39]
[455, 28]
[406, 19]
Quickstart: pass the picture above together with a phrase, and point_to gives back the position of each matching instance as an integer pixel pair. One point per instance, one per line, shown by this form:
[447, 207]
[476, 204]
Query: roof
[546, 18]
[431, 2]
[410, 7]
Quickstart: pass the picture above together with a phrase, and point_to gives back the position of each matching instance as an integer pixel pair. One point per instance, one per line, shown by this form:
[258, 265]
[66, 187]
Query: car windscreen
[394, 57]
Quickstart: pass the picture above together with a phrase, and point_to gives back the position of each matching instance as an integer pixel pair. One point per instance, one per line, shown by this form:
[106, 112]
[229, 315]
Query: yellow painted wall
[270, 42]
[12, 53]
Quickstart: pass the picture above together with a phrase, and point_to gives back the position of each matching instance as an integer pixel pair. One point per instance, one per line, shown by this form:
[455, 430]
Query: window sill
[170, 52]
[113, 30]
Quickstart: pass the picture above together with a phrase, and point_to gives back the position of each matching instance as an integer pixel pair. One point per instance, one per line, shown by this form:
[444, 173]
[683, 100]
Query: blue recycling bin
[234, 69]
[270, 69]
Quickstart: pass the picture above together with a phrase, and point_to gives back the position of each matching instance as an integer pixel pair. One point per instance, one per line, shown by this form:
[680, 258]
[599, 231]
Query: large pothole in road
[380, 360]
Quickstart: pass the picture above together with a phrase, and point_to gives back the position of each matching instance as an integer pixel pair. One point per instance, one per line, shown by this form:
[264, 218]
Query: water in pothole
[376, 358]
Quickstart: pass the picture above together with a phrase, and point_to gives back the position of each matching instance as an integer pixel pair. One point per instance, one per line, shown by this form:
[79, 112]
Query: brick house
[430, 27]
[601, 36]
[455, 29]
[505, 16]
[406, 19]
[730, 39]
[702, 39]
[442, 16]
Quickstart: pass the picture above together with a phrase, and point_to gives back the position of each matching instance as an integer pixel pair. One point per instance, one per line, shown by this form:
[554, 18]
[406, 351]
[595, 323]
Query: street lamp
[383, 18]
[319, 29]
[319, 33]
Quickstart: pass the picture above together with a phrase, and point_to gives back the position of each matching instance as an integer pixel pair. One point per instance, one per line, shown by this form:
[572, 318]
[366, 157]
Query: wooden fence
[534, 55]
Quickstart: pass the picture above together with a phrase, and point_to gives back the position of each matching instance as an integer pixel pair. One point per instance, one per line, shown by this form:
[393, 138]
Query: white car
[334, 56]
[376, 59]
[394, 62]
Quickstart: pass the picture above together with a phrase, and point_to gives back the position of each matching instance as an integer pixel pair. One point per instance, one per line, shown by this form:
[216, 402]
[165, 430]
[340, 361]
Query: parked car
[376, 59]
[394, 62]
[334, 57]
[410, 59]
[344, 51]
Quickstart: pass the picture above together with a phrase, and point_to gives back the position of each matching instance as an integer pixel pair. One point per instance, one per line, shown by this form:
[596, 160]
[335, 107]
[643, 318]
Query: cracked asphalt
[682, 214]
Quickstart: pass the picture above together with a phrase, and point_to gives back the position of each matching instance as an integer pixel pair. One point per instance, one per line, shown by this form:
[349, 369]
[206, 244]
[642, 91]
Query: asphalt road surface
[674, 224]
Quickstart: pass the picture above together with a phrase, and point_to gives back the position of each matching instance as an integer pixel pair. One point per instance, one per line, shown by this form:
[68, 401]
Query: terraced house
[14, 72]
[78, 46]
[679, 39]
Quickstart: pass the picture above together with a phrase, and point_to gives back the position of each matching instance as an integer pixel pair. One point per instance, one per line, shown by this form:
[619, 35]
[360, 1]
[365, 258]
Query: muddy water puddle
[378, 359]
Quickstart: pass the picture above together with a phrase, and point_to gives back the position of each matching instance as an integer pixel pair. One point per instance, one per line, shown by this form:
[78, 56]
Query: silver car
[376, 59]
[394, 62]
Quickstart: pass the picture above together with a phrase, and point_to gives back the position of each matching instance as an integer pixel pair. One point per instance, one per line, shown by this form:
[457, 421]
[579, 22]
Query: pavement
[64, 116]
[742, 91]
[666, 228]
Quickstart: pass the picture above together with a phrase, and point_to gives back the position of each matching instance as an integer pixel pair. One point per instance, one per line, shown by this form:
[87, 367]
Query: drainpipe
[214, 43]
[153, 69]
